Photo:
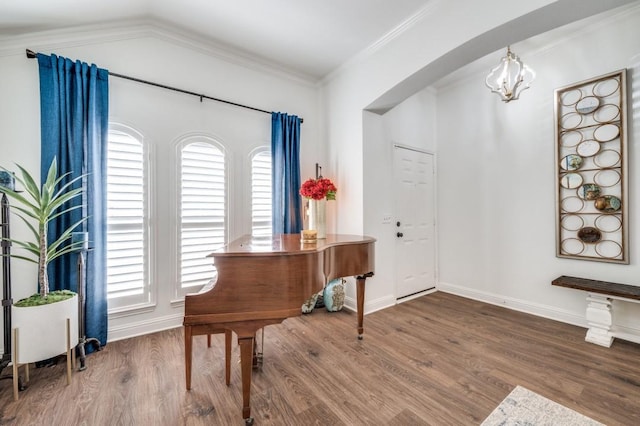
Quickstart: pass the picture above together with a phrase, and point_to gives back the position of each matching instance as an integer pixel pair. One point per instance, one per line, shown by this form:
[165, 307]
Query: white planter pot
[42, 330]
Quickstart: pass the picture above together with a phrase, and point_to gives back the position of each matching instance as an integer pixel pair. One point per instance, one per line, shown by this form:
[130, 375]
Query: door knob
[399, 235]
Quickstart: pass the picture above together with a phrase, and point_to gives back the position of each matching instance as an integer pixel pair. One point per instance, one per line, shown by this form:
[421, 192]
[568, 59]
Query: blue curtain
[285, 174]
[74, 109]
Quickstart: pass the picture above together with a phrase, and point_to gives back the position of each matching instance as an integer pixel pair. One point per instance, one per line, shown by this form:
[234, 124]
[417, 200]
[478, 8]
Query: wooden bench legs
[189, 332]
[227, 354]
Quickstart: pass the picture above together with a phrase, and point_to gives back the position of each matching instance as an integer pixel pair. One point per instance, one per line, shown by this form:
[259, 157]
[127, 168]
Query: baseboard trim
[515, 304]
[173, 321]
[141, 328]
[371, 305]
[626, 333]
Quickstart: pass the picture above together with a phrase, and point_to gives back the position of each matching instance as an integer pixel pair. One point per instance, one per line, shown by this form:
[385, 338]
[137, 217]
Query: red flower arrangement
[317, 189]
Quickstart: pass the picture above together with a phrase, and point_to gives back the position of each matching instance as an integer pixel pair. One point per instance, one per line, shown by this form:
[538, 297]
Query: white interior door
[415, 221]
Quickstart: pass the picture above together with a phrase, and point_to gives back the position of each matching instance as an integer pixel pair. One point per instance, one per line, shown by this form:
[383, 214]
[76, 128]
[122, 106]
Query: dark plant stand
[7, 301]
[84, 340]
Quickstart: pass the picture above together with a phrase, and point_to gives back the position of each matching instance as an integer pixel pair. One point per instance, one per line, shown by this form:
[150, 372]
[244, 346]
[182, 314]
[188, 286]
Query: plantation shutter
[127, 217]
[202, 210]
[261, 193]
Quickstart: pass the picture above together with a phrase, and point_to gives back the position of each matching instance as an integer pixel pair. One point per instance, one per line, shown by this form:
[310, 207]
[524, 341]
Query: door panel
[415, 221]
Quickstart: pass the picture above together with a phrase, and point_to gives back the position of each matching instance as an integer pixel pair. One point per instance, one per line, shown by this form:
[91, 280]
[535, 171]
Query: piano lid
[284, 244]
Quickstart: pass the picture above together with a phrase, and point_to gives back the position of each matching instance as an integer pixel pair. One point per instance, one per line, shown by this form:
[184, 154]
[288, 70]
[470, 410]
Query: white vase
[318, 217]
[42, 330]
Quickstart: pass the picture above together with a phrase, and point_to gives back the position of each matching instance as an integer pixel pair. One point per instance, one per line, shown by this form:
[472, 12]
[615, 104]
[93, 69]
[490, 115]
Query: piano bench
[199, 330]
[208, 329]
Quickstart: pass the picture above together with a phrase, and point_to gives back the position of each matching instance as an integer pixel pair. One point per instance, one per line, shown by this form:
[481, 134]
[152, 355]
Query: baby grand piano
[263, 281]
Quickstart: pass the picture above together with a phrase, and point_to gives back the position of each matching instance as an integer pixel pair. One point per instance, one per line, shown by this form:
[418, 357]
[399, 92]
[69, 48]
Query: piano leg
[360, 302]
[227, 355]
[360, 281]
[246, 357]
[258, 354]
[188, 342]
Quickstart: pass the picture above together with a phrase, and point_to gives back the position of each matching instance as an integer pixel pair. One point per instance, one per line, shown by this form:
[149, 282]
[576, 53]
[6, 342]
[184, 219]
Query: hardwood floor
[436, 360]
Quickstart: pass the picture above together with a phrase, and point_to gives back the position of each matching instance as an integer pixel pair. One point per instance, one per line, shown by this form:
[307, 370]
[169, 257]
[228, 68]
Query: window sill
[126, 311]
[177, 303]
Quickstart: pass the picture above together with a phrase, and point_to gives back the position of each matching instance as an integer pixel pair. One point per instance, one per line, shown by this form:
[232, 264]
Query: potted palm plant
[43, 319]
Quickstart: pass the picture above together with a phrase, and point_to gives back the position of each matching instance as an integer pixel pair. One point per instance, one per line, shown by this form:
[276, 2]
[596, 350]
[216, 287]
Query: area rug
[525, 408]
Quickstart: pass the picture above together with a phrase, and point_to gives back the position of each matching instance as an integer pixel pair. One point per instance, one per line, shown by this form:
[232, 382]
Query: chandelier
[510, 77]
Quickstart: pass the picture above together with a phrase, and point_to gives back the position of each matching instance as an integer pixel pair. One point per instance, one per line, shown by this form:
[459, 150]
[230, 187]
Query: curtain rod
[31, 55]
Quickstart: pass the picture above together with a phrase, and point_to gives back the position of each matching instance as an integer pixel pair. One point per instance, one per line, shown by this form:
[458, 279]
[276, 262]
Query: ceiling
[311, 38]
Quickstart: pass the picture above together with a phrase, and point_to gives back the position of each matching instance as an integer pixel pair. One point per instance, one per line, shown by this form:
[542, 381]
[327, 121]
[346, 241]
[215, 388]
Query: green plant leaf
[29, 184]
[17, 256]
[60, 213]
[29, 209]
[58, 202]
[55, 249]
[41, 204]
[26, 212]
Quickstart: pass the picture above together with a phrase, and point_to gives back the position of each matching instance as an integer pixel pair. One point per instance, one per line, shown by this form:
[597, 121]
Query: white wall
[384, 72]
[443, 27]
[349, 128]
[496, 176]
[473, 231]
[412, 123]
[159, 55]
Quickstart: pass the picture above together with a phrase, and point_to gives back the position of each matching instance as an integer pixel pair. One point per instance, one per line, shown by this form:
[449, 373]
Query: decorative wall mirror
[591, 170]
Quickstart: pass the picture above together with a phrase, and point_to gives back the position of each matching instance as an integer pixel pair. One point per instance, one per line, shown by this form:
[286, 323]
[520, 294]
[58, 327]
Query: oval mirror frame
[607, 158]
[606, 132]
[608, 203]
[606, 113]
[589, 234]
[587, 105]
[571, 162]
[571, 180]
[588, 148]
[572, 97]
[589, 191]
[606, 87]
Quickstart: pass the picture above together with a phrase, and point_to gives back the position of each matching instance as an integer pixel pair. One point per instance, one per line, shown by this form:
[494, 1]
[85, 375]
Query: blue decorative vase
[334, 295]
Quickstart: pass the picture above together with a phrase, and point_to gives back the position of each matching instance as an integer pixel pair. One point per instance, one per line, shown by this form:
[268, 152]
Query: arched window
[202, 208]
[261, 192]
[128, 281]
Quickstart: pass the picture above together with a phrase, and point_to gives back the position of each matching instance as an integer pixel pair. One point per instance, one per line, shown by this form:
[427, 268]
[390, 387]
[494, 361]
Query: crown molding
[135, 29]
